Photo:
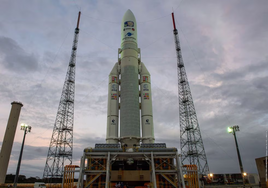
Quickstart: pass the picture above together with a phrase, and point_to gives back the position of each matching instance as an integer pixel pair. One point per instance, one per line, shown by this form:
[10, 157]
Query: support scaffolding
[68, 176]
[103, 169]
[191, 176]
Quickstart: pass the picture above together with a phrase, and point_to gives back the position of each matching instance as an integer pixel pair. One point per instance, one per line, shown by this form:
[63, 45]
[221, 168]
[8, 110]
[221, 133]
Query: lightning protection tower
[192, 147]
[60, 150]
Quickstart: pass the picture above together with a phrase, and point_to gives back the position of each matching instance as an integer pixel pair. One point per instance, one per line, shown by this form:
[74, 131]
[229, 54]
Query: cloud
[224, 50]
[14, 58]
[29, 152]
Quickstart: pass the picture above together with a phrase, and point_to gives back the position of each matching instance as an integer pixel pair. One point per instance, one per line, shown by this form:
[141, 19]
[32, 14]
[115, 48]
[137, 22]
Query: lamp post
[210, 177]
[233, 130]
[26, 129]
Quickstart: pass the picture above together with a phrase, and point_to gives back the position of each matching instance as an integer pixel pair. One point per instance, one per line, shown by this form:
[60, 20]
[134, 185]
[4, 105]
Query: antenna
[173, 19]
[78, 20]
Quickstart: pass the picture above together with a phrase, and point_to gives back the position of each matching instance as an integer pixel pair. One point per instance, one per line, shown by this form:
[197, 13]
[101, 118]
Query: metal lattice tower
[192, 147]
[60, 150]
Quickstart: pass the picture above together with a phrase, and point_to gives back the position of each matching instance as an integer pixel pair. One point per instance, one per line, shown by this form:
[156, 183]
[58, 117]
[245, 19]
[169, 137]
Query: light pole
[232, 130]
[26, 129]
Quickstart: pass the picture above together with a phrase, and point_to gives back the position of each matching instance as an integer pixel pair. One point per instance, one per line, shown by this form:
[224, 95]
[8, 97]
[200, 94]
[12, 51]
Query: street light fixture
[26, 128]
[230, 129]
[233, 130]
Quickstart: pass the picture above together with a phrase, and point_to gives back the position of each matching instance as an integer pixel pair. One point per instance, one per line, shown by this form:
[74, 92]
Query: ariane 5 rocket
[129, 92]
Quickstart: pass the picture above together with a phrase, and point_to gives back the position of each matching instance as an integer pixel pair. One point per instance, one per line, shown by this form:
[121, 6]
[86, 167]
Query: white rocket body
[135, 87]
[146, 106]
[113, 106]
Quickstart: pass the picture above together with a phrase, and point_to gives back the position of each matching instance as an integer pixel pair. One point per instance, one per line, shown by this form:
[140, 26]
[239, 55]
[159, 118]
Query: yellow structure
[165, 180]
[191, 176]
[68, 177]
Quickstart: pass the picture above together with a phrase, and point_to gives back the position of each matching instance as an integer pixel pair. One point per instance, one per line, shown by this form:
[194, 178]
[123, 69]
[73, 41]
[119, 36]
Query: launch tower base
[104, 167]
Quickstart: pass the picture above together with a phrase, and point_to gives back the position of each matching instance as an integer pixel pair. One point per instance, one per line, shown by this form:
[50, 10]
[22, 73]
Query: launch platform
[150, 165]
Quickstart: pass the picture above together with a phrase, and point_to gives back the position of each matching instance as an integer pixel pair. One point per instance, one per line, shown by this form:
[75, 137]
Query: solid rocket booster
[135, 87]
[113, 106]
[146, 106]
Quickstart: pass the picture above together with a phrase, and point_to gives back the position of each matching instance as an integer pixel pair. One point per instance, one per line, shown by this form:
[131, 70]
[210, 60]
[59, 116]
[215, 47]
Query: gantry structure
[60, 150]
[192, 147]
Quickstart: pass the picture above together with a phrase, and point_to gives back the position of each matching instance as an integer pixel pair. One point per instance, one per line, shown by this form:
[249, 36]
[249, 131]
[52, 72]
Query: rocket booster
[133, 89]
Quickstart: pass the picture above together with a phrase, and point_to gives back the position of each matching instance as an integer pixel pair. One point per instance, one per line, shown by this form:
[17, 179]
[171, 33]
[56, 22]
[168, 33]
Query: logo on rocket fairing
[129, 24]
[145, 78]
[113, 122]
[145, 87]
[114, 96]
[145, 96]
[114, 79]
[129, 34]
[129, 29]
[114, 88]
[147, 122]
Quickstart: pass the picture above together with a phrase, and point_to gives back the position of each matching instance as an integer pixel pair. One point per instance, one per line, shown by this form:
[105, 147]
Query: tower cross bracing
[192, 147]
[60, 150]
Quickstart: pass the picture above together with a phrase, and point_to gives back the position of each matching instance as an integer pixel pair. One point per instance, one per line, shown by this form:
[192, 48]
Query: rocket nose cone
[129, 27]
[129, 16]
[129, 12]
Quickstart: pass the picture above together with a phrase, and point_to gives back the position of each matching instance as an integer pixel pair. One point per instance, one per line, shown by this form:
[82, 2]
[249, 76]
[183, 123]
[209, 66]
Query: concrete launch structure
[129, 92]
[9, 139]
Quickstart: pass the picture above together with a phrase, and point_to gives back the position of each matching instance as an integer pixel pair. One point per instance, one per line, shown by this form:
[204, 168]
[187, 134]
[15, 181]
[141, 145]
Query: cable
[49, 69]
[78, 7]
[113, 22]
[94, 89]
[220, 147]
[101, 19]
[157, 57]
[91, 35]
[178, 5]
[155, 41]
[154, 19]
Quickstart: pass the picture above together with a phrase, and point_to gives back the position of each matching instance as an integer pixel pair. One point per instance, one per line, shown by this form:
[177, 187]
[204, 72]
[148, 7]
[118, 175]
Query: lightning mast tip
[78, 20]
[173, 19]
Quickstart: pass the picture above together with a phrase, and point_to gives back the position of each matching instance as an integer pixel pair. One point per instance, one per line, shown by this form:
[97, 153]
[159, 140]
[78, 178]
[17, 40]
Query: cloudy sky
[224, 46]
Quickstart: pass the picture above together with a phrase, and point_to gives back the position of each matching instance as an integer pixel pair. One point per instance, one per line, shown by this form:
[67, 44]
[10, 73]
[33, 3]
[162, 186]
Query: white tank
[146, 106]
[112, 110]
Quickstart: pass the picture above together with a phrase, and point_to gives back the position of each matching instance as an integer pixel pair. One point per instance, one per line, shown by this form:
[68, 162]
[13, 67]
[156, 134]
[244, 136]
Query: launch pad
[130, 157]
[150, 165]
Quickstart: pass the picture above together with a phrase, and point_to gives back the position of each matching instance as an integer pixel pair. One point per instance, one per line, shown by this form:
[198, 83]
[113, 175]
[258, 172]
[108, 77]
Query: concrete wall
[9, 139]
[261, 166]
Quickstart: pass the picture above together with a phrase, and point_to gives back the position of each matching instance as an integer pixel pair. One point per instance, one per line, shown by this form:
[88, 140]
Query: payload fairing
[130, 92]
